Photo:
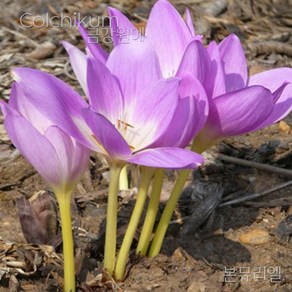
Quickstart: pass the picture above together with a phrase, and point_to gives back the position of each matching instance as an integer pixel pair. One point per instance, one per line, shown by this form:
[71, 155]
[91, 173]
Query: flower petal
[104, 91]
[34, 147]
[191, 26]
[272, 79]
[189, 23]
[19, 102]
[234, 63]
[106, 135]
[195, 61]
[78, 61]
[215, 85]
[190, 115]
[136, 66]
[53, 98]
[152, 113]
[175, 158]
[92, 43]
[169, 35]
[198, 112]
[73, 158]
[239, 112]
[282, 107]
[121, 27]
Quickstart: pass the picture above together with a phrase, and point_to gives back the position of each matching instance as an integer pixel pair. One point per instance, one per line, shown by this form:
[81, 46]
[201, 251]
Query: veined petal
[19, 102]
[34, 147]
[191, 26]
[104, 92]
[152, 113]
[234, 63]
[215, 85]
[106, 136]
[272, 79]
[80, 161]
[283, 105]
[195, 61]
[121, 27]
[136, 66]
[190, 115]
[96, 50]
[53, 98]
[64, 148]
[239, 112]
[174, 158]
[73, 157]
[189, 22]
[169, 35]
[199, 108]
[78, 61]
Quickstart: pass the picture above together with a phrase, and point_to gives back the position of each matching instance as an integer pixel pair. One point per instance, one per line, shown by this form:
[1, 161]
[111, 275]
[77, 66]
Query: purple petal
[92, 43]
[190, 115]
[78, 61]
[215, 85]
[19, 102]
[34, 147]
[198, 113]
[191, 26]
[189, 23]
[169, 35]
[282, 107]
[272, 79]
[234, 63]
[121, 27]
[73, 158]
[54, 99]
[150, 117]
[104, 92]
[175, 158]
[106, 136]
[136, 66]
[195, 61]
[63, 145]
[239, 112]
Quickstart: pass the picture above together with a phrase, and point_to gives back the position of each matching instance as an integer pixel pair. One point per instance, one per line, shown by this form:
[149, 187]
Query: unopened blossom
[57, 157]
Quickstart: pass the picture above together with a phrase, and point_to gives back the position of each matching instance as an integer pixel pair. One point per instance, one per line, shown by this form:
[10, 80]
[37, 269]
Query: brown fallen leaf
[43, 51]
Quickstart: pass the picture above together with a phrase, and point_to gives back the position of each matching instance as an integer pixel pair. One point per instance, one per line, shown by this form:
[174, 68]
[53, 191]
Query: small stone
[255, 236]
[284, 127]
[289, 211]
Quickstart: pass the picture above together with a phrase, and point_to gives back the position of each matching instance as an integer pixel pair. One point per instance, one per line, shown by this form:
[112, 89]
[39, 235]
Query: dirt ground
[237, 246]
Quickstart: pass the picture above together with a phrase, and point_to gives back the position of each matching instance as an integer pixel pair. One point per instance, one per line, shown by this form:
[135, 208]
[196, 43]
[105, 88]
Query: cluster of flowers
[147, 100]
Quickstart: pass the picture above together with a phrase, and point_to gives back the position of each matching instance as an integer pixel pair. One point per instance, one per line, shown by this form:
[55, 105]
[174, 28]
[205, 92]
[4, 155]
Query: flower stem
[111, 220]
[167, 213]
[123, 182]
[147, 174]
[170, 205]
[151, 213]
[64, 201]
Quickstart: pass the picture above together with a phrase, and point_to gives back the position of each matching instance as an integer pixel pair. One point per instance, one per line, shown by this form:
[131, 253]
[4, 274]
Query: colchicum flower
[237, 104]
[131, 108]
[57, 157]
[189, 115]
[240, 104]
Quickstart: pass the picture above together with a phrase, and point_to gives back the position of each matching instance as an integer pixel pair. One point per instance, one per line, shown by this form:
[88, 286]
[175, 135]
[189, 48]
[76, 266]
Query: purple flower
[239, 104]
[58, 158]
[131, 107]
[174, 57]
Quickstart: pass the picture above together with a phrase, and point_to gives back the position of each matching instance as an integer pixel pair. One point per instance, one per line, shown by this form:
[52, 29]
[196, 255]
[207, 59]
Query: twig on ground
[255, 196]
[265, 167]
[17, 33]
